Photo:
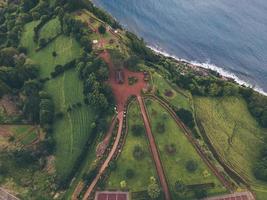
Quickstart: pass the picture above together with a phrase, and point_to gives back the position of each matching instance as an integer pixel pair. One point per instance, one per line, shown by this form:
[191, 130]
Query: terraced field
[177, 98]
[176, 151]
[72, 131]
[143, 168]
[233, 132]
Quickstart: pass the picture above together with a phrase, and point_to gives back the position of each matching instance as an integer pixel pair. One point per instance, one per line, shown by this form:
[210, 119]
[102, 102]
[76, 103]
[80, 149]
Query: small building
[146, 76]
[112, 195]
[95, 41]
[119, 76]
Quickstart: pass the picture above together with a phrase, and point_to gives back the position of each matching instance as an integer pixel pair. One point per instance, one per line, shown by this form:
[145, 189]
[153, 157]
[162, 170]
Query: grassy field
[143, 168]
[177, 98]
[66, 48]
[50, 29]
[233, 132]
[72, 131]
[174, 162]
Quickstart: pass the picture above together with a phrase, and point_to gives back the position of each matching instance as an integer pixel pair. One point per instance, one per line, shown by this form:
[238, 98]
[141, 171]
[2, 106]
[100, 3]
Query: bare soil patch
[168, 93]
[123, 91]
[7, 103]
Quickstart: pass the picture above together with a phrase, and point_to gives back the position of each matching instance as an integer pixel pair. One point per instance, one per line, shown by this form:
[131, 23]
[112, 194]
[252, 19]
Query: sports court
[234, 196]
[106, 195]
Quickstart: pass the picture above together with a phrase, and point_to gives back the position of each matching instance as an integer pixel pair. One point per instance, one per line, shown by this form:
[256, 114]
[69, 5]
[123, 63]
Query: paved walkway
[154, 150]
[109, 158]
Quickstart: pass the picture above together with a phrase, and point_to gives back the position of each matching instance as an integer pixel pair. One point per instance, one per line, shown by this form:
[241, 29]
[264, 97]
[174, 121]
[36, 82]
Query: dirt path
[101, 147]
[154, 150]
[189, 136]
[109, 158]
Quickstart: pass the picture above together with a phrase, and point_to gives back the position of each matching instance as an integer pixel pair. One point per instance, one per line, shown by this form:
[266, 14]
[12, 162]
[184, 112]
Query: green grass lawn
[50, 29]
[72, 131]
[67, 49]
[174, 163]
[143, 168]
[177, 98]
[233, 131]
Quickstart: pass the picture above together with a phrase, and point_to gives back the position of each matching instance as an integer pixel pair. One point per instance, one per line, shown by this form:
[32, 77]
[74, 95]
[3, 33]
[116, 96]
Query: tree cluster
[60, 69]
[15, 69]
[72, 26]
[94, 72]
[139, 47]
[206, 86]
[186, 116]
[257, 105]
[47, 111]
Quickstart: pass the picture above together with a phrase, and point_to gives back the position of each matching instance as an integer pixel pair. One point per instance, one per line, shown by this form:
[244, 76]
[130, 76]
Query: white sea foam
[213, 67]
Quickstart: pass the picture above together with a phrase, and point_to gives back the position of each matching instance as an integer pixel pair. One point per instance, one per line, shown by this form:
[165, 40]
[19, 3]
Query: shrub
[160, 127]
[170, 149]
[180, 187]
[200, 193]
[153, 189]
[187, 117]
[129, 173]
[191, 166]
[102, 29]
[138, 152]
[113, 165]
[54, 54]
[137, 130]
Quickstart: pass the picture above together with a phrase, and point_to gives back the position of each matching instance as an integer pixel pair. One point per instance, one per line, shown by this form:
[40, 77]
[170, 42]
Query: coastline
[224, 73]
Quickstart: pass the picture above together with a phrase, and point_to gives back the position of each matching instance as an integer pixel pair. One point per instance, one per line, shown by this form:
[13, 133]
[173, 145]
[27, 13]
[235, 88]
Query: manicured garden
[183, 166]
[134, 165]
[179, 98]
[234, 133]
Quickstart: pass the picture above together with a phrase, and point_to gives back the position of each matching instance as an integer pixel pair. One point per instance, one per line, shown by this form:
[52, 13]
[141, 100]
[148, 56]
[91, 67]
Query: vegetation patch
[233, 132]
[181, 163]
[179, 98]
[142, 167]
[74, 128]
[65, 47]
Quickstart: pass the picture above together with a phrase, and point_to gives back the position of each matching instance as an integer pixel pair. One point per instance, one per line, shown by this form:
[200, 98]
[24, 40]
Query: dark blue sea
[227, 35]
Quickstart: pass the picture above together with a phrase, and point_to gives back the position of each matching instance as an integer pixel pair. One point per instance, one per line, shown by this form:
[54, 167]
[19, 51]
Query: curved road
[154, 150]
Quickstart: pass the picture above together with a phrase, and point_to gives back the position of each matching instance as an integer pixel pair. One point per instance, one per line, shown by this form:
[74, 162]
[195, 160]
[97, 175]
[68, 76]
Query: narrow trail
[101, 147]
[99, 152]
[154, 150]
[109, 158]
[189, 136]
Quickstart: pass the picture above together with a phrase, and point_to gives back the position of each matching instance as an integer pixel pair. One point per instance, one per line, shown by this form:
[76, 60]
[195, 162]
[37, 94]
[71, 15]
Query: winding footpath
[109, 158]
[154, 150]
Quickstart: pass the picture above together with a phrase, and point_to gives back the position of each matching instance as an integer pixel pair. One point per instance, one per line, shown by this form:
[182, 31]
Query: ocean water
[227, 35]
